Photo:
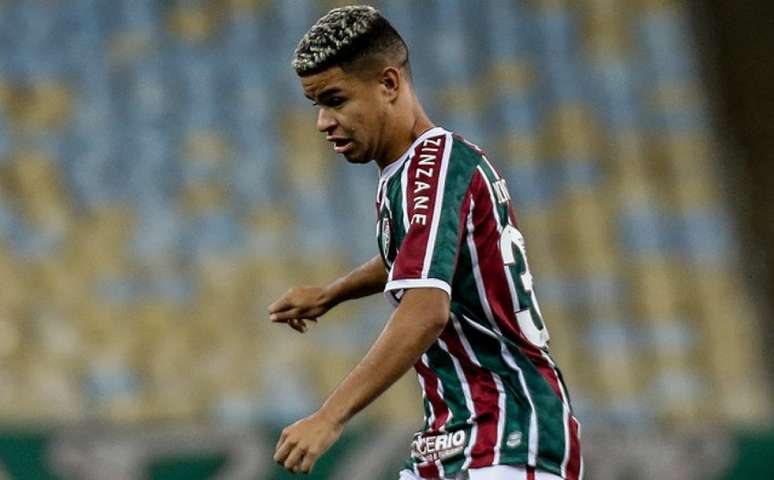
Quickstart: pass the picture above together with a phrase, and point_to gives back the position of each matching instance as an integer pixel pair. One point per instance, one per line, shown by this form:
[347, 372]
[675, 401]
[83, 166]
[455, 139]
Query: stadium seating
[162, 182]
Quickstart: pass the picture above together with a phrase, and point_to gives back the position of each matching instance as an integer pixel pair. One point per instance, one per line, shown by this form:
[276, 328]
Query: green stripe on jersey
[520, 267]
[548, 406]
[491, 178]
[462, 165]
[466, 303]
[517, 410]
[442, 366]
[465, 299]
[394, 197]
[550, 412]
[426, 407]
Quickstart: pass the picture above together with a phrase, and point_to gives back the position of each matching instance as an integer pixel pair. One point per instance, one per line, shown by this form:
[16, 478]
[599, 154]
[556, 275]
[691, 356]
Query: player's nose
[325, 120]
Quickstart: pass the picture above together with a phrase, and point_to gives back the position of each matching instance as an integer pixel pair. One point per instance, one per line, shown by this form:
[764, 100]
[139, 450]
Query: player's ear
[391, 83]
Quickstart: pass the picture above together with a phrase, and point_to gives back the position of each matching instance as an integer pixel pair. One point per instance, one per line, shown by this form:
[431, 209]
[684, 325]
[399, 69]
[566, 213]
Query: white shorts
[497, 472]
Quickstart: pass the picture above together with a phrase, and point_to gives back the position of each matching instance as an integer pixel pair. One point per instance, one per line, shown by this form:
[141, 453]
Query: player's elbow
[430, 306]
[437, 316]
[437, 322]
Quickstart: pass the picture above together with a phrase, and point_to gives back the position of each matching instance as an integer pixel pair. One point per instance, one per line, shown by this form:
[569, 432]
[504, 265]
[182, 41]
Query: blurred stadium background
[161, 182]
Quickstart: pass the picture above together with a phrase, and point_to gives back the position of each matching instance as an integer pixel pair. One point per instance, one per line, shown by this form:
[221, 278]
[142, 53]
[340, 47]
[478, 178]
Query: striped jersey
[491, 392]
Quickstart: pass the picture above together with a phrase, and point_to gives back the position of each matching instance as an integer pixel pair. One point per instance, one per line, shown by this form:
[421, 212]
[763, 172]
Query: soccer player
[451, 260]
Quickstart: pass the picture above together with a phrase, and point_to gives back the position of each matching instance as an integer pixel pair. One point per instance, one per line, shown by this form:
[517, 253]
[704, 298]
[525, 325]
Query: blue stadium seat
[196, 136]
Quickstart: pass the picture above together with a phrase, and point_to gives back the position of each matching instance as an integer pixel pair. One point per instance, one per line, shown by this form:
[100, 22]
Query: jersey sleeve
[434, 197]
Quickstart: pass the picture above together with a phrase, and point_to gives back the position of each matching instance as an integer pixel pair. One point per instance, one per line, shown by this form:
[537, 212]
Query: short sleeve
[434, 191]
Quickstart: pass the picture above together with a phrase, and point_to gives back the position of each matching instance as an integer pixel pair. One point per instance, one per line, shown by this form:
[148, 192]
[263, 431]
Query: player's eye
[335, 101]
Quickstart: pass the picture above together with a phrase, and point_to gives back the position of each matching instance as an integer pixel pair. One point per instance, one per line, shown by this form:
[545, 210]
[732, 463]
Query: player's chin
[355, 157]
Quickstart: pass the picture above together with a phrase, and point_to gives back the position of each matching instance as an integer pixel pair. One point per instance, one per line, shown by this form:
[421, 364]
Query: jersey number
[528, 316]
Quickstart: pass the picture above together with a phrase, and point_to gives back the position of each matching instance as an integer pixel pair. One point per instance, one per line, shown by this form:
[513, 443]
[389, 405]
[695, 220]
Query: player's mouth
[341, 145]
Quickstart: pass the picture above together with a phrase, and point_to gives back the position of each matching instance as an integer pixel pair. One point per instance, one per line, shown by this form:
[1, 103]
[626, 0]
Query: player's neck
[405, 137]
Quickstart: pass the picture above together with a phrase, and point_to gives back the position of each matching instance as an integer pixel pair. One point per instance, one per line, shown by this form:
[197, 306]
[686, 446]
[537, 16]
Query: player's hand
[301, 444]
[299, 305]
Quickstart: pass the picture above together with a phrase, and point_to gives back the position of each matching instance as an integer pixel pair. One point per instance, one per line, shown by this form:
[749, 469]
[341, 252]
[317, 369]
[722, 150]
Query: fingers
[295, 458]
[293, 321]
[286, 315]
[297, 302]
[289, 300]
[297, 324]
[309, 459]
[291, 309]
[280, 441]
[281, 304]
[283, 452]
[292, 456]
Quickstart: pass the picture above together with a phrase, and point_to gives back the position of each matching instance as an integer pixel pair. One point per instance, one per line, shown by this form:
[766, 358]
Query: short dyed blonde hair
[345, 35]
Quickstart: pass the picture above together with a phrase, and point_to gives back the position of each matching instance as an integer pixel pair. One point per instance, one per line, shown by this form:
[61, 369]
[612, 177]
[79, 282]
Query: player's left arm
[413, 327]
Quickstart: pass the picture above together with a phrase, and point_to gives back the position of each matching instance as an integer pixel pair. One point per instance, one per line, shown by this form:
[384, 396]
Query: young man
[451, 260]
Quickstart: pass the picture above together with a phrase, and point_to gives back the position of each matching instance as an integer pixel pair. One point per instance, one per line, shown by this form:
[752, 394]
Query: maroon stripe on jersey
[472, 145]
[530, 473]
[549, 373]
[484, 154]
[486, 239]
[485, 395]
[422, 193]
[440, 409]
[429, 471]
[574, 463]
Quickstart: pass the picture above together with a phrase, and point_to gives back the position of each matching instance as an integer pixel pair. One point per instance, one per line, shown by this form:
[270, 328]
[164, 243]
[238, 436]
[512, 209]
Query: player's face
[350, 112]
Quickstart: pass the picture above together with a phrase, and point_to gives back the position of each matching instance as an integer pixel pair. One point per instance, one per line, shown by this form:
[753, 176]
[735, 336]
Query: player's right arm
[300, 304]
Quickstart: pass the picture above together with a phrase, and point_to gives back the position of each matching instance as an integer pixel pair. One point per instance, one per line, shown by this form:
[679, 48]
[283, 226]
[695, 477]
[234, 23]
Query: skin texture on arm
[363, 281]
[300, 304]
[412, 329]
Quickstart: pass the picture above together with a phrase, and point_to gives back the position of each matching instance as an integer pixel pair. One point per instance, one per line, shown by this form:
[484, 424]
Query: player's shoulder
[464, 148]
[441, 154]
[444, 145]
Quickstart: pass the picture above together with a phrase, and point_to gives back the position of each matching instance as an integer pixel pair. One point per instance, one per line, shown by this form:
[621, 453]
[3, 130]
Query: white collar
[390, 169]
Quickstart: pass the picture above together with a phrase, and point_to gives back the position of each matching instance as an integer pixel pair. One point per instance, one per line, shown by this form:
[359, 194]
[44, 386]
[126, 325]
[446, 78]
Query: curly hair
[349, 36]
